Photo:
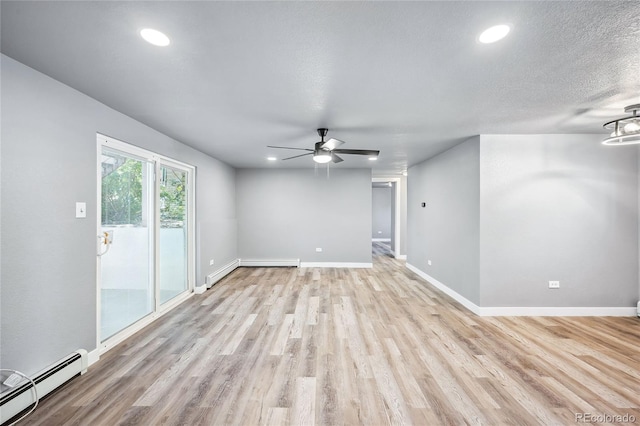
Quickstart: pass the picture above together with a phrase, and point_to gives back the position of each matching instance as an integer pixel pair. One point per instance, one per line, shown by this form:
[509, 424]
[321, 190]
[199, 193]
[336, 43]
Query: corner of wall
[443, 241]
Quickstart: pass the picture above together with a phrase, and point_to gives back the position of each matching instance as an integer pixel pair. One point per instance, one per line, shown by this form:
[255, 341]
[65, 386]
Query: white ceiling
[407, 78]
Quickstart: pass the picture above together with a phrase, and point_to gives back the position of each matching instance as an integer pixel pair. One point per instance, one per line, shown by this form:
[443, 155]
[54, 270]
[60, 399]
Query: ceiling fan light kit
[624, 130]
[320, 155]
[327, 151]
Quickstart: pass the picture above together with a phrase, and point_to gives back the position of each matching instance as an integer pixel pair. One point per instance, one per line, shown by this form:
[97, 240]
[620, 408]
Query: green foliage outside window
[122, 196]
[172, 198]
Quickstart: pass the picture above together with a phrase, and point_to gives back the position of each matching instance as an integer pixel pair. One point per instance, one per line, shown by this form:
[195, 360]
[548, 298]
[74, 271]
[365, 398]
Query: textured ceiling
[407, 78]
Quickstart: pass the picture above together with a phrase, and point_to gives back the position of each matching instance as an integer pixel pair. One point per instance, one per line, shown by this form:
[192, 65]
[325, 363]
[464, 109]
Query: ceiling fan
[325, 152]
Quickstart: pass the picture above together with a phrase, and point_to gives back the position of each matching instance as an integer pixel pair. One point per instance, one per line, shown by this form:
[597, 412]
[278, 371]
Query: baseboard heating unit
[213, 278]
[15, 400]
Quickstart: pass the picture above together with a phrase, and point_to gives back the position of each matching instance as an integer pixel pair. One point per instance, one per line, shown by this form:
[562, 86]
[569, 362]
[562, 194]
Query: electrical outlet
[554, 284]
[211, 262]
[13, 380]
[429, 262]
[318, 250]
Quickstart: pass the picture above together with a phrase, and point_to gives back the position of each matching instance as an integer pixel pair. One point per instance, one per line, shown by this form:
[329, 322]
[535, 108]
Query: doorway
[390, 214]
[382, 218]
[145, 237]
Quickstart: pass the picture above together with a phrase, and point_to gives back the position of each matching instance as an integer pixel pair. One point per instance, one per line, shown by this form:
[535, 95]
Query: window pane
[173, 233]
[126, 293]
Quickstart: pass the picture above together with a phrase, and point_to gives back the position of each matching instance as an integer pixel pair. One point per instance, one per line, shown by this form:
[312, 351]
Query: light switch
[81, 210]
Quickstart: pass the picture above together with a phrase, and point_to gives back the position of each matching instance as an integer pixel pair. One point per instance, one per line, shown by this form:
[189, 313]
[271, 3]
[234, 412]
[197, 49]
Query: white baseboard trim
[216, 276]
[528, 311]
[335, 265]
[93, 357]
[261, 263]
[383, 240]
[200, 289]
[398, 256]
[437, 284]
[561, 311]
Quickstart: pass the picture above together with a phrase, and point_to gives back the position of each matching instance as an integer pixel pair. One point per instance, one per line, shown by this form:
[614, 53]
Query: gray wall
[381, 205]
[446, 231]
[217, 226]
[547, 207]
[49, 161]
[287, 213]
[558, 207]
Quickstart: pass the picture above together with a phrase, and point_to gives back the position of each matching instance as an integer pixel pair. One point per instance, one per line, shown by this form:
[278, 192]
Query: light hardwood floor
[353, 346]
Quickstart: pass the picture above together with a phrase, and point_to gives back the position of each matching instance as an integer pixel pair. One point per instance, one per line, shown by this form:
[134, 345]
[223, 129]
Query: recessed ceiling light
[271, 158]
[373, 158]
[155, 37]
[493, 34]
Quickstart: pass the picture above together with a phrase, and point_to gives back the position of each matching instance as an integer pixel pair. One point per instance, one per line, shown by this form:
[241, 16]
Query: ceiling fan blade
[369, 152]
[335, 158]
[296, 156]
[331, 144]
[287, 147]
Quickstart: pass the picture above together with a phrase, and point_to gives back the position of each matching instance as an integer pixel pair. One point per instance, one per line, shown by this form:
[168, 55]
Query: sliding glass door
[126, 238]
[173, 232]
[145, 235]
